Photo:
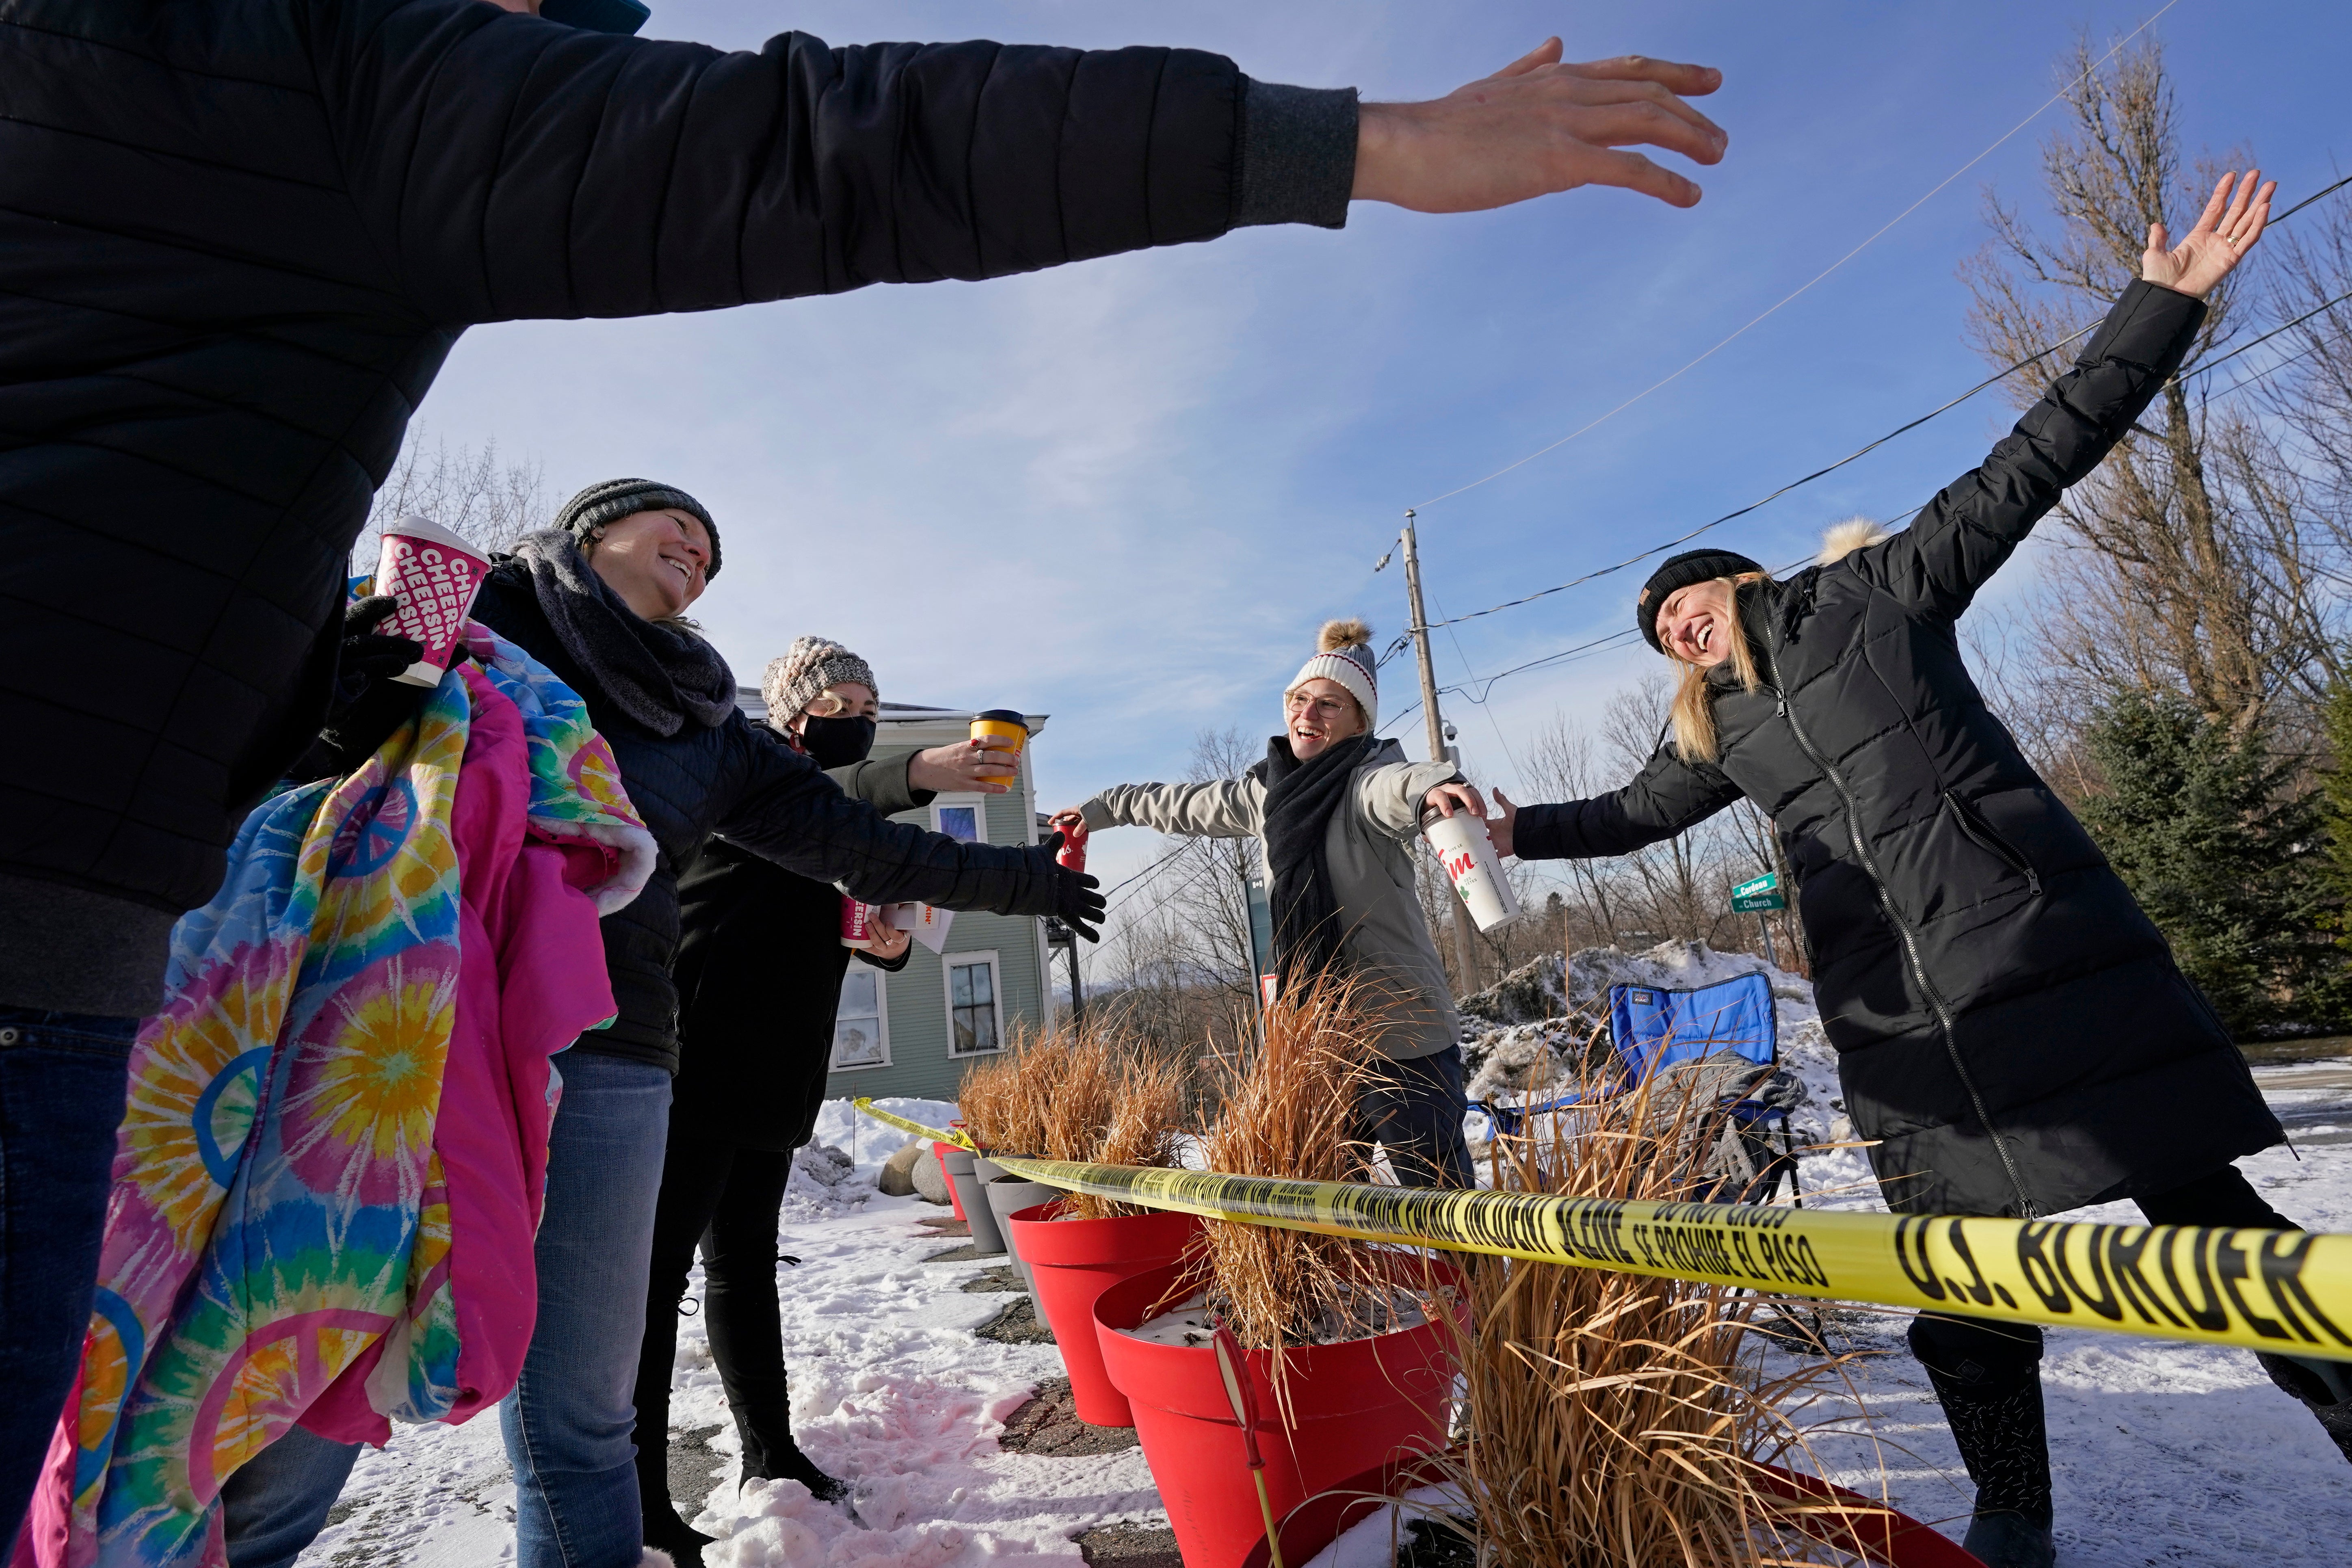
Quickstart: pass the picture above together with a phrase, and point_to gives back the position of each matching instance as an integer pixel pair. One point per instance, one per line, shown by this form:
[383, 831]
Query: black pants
[1414, 1110]
[1986, 1352]
[725, 1198]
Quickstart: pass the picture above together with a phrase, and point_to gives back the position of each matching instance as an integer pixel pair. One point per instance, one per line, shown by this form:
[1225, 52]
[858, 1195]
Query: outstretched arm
[1221, 808]
[1665, 797]
[508, 166]
[1976, 522]
[784, 809]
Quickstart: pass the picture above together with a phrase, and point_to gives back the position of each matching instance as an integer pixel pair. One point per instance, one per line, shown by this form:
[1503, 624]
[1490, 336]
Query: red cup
[857, 923]
[434, 574]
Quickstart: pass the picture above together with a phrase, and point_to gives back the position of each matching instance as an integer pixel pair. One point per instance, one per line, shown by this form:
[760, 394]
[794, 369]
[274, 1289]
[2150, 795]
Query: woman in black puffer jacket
[599, 599]
[760, 973]
[2012, 1030]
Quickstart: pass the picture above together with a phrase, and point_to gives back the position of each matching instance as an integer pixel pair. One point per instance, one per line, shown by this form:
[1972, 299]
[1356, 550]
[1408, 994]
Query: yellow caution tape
[2283, 1291]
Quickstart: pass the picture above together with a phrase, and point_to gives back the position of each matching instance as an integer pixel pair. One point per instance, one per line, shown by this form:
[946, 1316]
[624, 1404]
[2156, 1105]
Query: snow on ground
[2164, 1454]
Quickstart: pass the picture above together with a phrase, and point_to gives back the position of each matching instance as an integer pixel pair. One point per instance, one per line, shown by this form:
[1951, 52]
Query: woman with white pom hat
[1334, 808]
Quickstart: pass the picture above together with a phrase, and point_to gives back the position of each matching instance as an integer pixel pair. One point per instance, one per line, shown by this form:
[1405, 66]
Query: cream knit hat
[807, 667]
[1345, 654]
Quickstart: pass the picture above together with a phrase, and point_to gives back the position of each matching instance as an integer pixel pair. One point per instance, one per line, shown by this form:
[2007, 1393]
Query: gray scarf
[660, 676]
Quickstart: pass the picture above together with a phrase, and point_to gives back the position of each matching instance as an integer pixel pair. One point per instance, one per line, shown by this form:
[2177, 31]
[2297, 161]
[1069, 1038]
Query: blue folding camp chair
[1654, 1031]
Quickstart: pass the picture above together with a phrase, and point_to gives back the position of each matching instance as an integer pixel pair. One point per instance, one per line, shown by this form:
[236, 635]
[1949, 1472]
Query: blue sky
[1125, 493]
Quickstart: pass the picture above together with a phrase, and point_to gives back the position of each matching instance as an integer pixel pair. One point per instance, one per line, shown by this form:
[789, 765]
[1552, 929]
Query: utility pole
[1464, 953]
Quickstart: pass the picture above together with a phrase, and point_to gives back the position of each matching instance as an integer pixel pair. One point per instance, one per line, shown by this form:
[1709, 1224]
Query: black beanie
[1680, 572]
[616, 498]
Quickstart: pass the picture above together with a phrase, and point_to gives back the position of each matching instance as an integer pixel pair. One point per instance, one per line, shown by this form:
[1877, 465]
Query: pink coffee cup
[434, 574]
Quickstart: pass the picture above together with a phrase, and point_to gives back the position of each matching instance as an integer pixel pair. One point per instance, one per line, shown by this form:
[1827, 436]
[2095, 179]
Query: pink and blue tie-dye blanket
[281, 1241]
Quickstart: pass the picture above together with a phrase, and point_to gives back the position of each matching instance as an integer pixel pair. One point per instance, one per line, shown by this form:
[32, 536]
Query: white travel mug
[1472, 866]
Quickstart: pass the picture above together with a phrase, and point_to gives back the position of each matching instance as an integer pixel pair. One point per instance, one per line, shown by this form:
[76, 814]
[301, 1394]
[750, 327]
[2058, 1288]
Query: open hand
[1499, 826]
[1535, 127]
[2224, 234]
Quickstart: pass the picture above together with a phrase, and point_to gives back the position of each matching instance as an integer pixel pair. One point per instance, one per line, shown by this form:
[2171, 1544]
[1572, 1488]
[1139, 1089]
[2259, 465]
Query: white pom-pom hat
[1344, 653]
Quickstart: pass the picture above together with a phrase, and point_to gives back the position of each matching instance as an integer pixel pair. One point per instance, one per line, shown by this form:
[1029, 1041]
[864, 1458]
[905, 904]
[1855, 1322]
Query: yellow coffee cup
[1001, 729]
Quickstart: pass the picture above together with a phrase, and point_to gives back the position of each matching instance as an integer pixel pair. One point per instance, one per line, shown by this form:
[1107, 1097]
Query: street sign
[1757, 893]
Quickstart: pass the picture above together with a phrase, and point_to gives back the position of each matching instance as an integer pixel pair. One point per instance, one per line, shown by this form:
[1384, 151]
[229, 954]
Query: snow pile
[893, 1391]
[870, 1143]
[2176, 1452]
[1543, 1023]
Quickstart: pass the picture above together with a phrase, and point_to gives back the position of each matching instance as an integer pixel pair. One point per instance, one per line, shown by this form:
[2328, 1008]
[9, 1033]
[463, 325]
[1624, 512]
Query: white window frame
[978, 802]
[881, 1021]
[949, 963]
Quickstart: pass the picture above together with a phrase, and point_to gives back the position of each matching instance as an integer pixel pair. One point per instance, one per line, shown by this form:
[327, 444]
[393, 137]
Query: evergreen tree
[2225, 853]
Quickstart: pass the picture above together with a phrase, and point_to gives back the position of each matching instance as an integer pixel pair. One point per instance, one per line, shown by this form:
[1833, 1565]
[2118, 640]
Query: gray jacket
[1387, 940]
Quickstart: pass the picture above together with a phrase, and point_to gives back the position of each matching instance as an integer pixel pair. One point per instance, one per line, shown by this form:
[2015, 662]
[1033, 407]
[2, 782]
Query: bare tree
[1558, 764]
[2183, 565]
[1685, 888]
[488, 499]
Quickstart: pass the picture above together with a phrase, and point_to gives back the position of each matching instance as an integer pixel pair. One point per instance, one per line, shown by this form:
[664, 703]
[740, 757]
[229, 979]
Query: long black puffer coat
[2008, 1022]
[738, 779]
[239, 238]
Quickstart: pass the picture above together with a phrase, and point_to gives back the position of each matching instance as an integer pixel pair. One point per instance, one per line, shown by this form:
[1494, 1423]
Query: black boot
[2324, 1387]
[1989, 1378]
[786, 1462]
[2004, 1441]
[672, 1535]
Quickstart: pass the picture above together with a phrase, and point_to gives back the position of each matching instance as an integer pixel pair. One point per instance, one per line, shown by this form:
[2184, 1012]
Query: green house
[912, 1033]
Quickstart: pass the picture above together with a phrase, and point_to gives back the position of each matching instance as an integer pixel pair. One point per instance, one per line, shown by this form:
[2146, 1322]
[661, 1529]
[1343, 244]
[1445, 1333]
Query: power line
[1617, 638]
[1776, 495]
[1113, 893]
[2242, 348]
[1903, 429]
[1833, 267]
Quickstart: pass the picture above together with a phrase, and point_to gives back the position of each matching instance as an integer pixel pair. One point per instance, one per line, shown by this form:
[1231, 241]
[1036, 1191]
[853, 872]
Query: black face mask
[837, 742]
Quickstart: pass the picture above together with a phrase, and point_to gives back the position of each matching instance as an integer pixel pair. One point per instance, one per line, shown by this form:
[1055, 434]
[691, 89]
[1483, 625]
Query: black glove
[1076, 902]
[367, 704]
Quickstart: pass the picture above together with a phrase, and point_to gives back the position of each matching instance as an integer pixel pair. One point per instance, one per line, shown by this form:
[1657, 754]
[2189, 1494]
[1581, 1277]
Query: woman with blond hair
[1333, 807]
[2013, 1037]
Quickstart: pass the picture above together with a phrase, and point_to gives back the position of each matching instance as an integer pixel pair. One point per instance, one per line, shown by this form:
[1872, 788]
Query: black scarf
[658, 675]
[1300, 800]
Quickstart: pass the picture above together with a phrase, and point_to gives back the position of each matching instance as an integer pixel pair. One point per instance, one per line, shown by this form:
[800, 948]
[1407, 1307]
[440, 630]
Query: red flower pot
[940, 1152]
[1074, 1261]
[1357, 1406]
[1875, 1533]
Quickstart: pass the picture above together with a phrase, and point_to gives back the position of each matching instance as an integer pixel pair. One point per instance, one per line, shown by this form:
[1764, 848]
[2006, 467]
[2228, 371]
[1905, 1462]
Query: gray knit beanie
[613, 499]
[807, 667]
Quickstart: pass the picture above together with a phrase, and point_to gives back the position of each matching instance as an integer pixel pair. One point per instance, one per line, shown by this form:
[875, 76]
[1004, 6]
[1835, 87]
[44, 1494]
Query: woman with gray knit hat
[1333, 807]
[758, 975]
[599, 600]
[2013, 1037]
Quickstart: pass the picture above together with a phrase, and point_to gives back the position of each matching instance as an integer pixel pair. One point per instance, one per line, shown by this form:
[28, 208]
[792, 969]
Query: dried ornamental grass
[1291, 1111]
[1145, 1128]
[1005, 1098]
[1616, 1419]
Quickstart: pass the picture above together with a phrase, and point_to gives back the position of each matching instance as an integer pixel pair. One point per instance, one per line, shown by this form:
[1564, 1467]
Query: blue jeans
[1414, 1110]
[62, 1090]
[569, 1420]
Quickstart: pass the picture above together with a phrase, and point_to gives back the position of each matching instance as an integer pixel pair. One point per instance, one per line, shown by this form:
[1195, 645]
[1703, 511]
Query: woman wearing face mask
[1334, 807]
[758, 975]
[600, 598]
[2012, 1032]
